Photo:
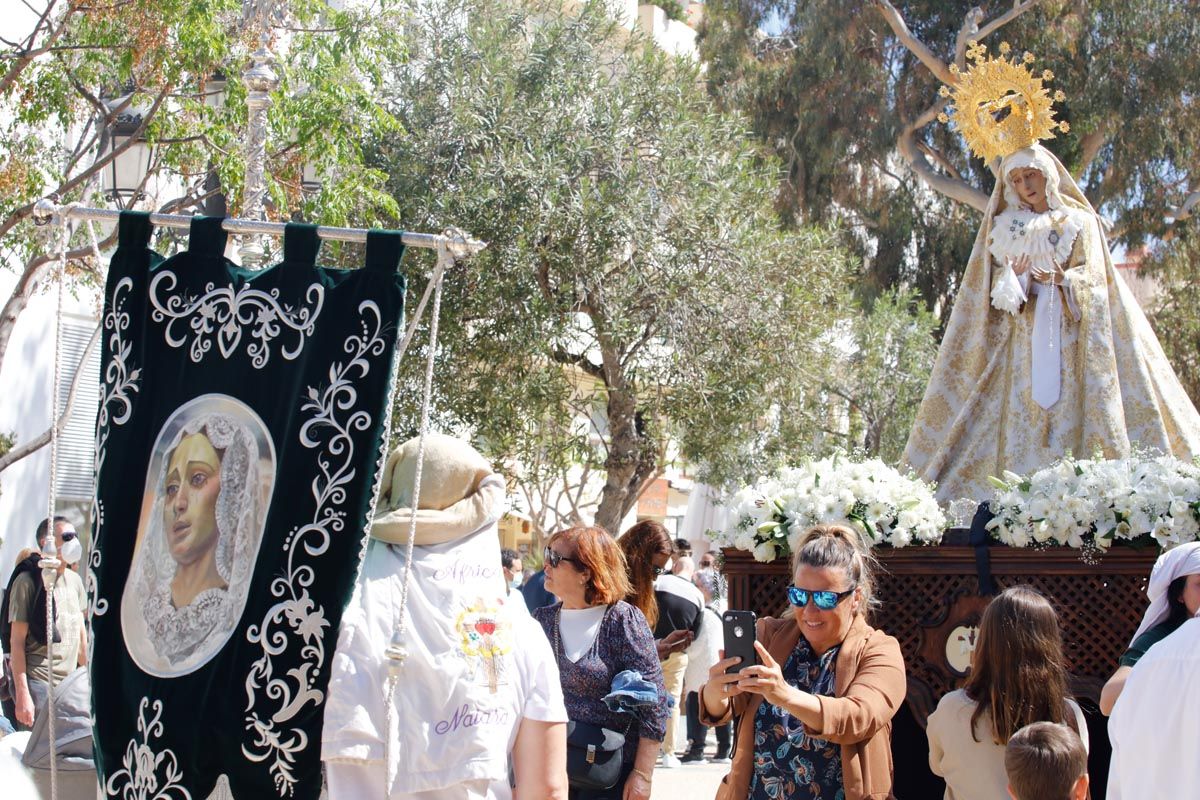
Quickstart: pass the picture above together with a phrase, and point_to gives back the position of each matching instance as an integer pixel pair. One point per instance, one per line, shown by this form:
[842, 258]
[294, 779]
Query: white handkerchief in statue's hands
[1007, 294]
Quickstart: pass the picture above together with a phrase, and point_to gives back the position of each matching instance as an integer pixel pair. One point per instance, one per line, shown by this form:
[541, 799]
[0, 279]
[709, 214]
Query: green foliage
[636, 287]
[873, 378]
[54, 125]
[833, 90]
[672, 9]
[1175, 311]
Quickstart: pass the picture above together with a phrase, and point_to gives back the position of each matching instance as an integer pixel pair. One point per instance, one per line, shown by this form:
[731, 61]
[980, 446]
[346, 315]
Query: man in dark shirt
[680, 605]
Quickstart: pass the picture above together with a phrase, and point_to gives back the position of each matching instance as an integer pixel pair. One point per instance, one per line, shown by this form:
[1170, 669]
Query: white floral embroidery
[223, 313]
[296, 617]
[147, 774]
[116, 405]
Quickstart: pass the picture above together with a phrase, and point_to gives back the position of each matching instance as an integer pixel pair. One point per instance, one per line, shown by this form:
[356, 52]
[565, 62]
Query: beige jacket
[868, 689]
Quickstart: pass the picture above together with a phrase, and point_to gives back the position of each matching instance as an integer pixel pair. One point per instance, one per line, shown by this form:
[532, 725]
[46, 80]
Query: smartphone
[739, 638]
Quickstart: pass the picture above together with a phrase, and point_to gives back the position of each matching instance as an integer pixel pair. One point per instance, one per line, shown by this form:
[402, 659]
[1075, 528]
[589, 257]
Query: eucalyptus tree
[78, 66]
[637, 294]
[846, 92]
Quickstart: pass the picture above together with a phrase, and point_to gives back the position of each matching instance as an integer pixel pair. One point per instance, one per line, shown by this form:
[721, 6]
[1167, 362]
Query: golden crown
[999, 106]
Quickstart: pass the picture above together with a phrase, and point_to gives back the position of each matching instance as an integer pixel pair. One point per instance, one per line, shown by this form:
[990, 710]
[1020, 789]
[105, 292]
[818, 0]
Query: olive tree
[638, 299]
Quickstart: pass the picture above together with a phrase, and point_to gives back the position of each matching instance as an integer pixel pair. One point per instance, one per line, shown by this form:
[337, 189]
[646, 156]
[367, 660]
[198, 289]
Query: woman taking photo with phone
[815, 715]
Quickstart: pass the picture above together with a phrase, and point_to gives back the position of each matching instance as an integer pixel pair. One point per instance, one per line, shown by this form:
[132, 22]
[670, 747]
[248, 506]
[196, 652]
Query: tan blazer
[869, 687]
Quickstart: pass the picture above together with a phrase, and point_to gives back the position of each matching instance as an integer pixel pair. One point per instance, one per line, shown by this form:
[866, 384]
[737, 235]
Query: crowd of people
[633, 636]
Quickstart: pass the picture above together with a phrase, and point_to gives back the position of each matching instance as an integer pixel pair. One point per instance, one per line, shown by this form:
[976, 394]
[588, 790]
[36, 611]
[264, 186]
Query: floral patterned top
[788, 763]
[623, 642]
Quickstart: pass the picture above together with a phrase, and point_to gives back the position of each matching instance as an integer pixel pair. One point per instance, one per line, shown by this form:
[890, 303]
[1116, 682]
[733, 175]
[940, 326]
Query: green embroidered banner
[240, 432]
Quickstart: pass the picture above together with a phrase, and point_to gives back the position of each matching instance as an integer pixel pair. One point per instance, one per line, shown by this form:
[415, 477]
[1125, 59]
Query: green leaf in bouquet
[997, 483]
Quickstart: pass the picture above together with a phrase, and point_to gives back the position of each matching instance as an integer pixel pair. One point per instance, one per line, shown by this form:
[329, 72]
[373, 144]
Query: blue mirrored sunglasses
[826, 601]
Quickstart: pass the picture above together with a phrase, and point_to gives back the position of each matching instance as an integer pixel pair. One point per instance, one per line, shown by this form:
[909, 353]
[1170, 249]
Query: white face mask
[515, 583]
[72, 551]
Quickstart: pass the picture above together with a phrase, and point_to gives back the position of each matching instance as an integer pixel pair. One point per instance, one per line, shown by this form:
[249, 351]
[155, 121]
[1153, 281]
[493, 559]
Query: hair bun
[846, 530]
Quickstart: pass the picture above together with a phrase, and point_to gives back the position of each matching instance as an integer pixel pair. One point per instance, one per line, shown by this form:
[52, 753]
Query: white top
[973, 770]
[680, 587]
[704, 651]
[578, 628]
[1153, 729]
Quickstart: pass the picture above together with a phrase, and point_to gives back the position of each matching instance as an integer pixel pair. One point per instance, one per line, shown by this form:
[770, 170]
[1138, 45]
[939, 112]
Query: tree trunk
[624, 449]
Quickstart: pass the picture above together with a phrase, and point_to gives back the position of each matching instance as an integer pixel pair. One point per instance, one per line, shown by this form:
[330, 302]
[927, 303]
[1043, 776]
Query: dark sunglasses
[826, 601]
[553, 558]
[69, 535]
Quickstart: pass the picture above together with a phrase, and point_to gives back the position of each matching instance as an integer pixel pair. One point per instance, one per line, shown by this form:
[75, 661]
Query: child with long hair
[1018, 677]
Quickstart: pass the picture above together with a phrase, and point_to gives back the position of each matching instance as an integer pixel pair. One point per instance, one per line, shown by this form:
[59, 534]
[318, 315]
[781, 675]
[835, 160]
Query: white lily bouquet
[892, 508]
[1090, 504]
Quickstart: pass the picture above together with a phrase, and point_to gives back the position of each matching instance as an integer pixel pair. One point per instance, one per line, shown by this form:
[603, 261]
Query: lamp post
[310, 179]
[125, 173]
[261, 80]
[215, 204]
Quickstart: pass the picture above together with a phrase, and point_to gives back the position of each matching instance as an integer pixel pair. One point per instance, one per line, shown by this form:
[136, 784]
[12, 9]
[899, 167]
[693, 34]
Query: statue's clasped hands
[1024, 263]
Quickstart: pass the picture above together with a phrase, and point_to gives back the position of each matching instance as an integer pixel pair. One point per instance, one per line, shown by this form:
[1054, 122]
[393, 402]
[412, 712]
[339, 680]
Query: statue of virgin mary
[1047, 352]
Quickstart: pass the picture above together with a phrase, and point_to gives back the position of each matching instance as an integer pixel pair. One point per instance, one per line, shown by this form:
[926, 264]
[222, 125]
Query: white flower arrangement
[1090, 504]
[893, 509]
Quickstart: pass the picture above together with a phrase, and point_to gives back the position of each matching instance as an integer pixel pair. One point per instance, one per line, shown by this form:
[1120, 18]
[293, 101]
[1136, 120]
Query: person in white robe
[1154, 729]
[479, 686]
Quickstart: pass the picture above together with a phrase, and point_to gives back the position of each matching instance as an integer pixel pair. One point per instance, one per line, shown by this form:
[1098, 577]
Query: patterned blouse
[623, 642]
[788, 763]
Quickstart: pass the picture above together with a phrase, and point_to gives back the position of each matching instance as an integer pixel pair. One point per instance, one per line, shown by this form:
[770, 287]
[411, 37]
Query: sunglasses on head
[826, 601]
[554, 558]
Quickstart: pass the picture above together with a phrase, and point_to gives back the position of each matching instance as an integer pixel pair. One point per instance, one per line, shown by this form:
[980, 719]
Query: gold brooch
[998, 105]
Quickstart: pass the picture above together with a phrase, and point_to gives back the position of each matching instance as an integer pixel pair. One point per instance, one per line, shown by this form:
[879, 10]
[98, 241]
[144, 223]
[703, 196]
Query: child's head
[1046, 761]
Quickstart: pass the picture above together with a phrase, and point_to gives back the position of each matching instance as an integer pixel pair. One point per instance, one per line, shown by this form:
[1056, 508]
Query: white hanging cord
[396, 652]
[50, 562]
[435, 281]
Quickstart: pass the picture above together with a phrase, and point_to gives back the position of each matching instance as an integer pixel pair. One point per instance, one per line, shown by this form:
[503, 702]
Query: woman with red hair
[596, 635]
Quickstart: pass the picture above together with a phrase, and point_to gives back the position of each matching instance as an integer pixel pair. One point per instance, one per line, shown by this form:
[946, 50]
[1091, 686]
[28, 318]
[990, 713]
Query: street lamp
[310, 178]
[214, 90]
[214, 204]
[124, 175]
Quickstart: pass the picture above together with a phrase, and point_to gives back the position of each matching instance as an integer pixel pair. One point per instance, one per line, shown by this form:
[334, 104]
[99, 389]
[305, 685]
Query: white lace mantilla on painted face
[178, 632]
[1047, 238]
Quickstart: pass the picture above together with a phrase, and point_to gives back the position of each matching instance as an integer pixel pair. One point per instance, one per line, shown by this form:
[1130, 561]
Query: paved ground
[692, 781]
[697, 781]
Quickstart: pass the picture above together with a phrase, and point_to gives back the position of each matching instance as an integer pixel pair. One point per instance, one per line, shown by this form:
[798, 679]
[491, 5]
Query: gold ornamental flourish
[999, 105]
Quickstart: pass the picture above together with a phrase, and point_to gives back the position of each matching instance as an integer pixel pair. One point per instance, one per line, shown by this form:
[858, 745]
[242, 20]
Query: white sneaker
[670, 762]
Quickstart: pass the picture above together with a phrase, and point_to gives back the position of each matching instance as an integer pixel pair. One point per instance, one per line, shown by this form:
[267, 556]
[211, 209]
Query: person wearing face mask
[31, 648]
[510, 560]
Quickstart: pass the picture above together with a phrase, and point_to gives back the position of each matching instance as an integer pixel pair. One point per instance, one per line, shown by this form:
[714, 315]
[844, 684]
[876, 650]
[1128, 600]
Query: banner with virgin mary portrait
[238, 445]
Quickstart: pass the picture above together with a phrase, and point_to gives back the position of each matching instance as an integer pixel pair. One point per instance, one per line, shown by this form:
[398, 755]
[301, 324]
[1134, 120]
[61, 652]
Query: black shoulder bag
[595, 755]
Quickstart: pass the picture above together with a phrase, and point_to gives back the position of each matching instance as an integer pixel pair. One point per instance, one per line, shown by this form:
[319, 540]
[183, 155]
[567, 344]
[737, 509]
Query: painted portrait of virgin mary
[207, 493]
